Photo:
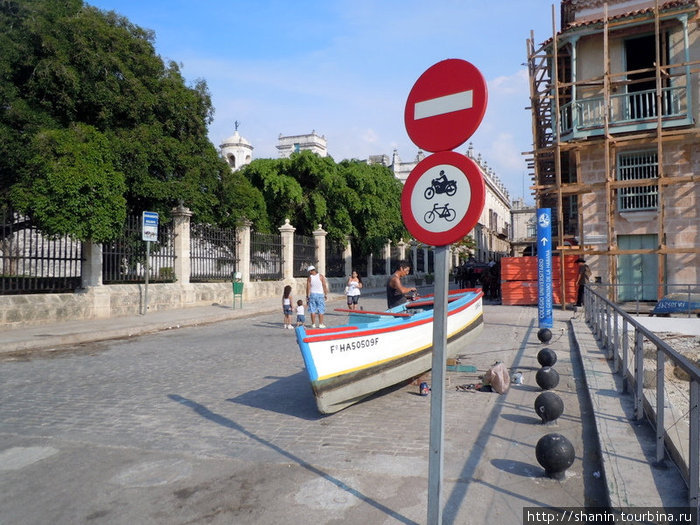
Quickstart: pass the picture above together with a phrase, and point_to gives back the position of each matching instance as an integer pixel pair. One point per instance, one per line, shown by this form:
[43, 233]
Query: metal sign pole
[437, 398]
[145, 291]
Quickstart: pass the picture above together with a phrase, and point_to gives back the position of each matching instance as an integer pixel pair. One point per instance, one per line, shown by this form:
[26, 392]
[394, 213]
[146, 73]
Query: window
[633, 166]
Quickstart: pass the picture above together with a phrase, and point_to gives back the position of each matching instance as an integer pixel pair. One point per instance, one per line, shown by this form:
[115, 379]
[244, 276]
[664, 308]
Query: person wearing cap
[316, 294]
[584, 274]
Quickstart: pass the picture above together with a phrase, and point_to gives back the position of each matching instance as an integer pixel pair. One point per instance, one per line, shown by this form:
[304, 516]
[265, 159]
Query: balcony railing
[628, 111]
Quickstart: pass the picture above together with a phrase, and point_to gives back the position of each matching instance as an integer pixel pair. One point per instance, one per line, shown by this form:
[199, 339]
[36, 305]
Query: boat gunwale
[364, 332]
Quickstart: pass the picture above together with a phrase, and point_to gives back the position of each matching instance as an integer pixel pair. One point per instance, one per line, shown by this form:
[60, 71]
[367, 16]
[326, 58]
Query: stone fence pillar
[243, 238]
[91, 267]
[287, 234]
[320, 242]
[181, 243]
[387, 258]
[347, 255]
[414, 253]
[370, 265]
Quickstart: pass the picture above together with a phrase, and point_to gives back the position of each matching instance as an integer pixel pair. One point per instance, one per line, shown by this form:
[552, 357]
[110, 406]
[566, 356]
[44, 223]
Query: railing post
[625, 356]
[638, 374]
[608, 331]
[181, 243]
[616, 344]
[243, 239]
[320, 242]
[694, 445]
[287, 234]
[370, 262]
[660, 362]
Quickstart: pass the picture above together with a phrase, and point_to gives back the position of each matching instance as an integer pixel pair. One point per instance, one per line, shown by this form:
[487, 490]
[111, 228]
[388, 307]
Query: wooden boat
[378, 349]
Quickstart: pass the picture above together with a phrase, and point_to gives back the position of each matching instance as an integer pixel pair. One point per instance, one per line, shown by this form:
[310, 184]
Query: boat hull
[347, 364]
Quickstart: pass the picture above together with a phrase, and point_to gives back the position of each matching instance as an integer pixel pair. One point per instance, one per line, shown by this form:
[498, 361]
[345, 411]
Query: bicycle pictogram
[444, 212]
[441, 184]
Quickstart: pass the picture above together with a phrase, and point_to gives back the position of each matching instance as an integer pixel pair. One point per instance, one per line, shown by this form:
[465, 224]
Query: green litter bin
[237, 290]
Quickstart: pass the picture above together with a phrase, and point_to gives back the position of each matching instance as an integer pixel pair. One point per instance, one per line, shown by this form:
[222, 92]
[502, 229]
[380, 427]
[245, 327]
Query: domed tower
[237, 151]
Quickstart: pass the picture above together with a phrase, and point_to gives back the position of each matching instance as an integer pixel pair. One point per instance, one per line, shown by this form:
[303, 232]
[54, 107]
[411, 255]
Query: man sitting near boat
[395, 291]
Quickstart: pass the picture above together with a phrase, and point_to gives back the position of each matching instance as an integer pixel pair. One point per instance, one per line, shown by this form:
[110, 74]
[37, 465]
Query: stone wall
[103, 302]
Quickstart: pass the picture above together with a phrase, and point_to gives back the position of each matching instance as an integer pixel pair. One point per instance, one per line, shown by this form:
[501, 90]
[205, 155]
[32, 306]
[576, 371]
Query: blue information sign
[544, 267]
[149, 226]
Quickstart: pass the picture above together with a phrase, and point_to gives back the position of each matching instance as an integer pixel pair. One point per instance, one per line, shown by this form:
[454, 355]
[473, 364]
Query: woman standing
[352, 290]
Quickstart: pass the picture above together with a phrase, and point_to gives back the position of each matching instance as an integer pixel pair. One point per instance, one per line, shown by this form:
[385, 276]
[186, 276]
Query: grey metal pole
[437, 398]
[145, 291]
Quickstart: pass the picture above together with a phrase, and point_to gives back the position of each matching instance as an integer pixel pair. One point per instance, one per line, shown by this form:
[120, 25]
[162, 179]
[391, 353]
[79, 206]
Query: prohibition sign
[443, 198]
[445, 105]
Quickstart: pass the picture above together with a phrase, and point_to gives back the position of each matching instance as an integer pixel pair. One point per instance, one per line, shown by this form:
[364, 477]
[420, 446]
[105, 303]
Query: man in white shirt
[316, 294]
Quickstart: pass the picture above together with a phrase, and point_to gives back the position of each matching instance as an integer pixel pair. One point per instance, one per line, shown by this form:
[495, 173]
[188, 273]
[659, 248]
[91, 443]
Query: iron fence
[304, 255]
[335, 259]
[265, 256]
[378, 265]
[124, 259]
[31, 262]
[213, 253]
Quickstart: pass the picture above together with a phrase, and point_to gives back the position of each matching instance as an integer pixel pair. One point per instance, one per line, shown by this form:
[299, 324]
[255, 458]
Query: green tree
[75, 188]
[349, 198]
[74, 78]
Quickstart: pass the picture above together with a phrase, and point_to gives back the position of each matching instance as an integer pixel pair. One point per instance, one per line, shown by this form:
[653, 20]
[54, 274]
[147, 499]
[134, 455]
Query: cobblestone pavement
[217, 424]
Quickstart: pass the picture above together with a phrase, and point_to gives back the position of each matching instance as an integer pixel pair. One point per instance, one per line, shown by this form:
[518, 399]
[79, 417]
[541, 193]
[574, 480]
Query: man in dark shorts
[395, 291]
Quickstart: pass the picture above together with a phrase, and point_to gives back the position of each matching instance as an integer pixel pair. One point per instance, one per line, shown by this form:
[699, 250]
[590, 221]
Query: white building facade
[288, 144]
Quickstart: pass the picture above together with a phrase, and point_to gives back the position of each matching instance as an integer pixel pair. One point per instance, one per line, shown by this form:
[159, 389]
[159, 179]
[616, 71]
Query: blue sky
[345, 68]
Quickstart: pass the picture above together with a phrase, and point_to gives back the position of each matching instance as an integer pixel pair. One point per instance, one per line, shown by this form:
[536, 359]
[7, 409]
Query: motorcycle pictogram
[441, 184]
[444, 212]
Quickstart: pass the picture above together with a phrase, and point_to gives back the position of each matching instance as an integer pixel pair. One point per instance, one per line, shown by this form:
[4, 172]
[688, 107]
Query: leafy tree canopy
[347, 198]
[77, 83]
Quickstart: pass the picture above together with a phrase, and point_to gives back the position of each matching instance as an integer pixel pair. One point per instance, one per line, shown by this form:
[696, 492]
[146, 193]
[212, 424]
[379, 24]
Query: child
[300, 313]
[287, 307]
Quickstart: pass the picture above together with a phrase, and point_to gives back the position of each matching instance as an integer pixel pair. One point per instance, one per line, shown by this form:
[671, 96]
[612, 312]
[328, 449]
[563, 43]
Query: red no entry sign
[443, 198]
[445, 105]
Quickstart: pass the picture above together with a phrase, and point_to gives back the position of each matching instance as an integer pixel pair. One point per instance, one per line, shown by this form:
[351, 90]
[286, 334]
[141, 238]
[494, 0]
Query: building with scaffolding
[616, 153]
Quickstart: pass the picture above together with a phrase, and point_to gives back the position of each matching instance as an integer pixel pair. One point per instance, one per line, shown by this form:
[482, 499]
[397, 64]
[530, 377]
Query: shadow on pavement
[228, 423]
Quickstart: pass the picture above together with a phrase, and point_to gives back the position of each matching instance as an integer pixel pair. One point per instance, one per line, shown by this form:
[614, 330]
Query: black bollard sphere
[556, 454]
[546, 357]
[549, 406]
[544, 335]
[547, 378]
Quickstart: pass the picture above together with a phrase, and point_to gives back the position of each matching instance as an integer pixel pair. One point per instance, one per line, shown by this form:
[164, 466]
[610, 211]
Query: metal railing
[31, 262]
[625, 108]
[304, 255]
[636, 351]
[213, 253]
[265, 256]
[124, 259]
[335, 259]
[641, 298]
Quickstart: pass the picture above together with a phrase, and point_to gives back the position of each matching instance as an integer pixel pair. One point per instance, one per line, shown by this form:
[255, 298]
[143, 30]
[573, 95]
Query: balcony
[636, 111]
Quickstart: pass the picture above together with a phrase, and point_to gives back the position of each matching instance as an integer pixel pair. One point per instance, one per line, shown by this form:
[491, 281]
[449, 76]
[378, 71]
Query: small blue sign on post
[149, 226]
[544, 267]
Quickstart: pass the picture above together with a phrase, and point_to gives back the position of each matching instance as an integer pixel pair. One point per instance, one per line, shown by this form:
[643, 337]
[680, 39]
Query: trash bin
[237, 289]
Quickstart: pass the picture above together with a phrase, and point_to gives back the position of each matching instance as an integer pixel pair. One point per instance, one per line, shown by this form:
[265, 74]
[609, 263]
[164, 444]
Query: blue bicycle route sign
[544, 267]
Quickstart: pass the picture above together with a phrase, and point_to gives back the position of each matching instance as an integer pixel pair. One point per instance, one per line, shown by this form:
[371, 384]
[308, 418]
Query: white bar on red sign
[442, 105]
